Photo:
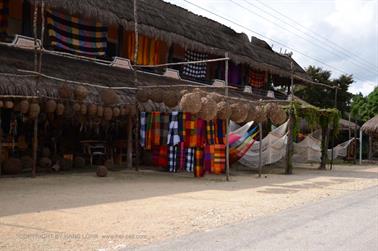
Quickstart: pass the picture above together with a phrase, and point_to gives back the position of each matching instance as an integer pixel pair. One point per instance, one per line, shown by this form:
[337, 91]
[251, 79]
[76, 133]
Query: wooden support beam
[137, 148]
[260, 149]
[370, 152]
[227, 122]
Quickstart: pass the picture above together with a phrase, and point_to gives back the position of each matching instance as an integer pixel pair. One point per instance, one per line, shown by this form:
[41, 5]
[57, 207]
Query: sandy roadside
[81, 212]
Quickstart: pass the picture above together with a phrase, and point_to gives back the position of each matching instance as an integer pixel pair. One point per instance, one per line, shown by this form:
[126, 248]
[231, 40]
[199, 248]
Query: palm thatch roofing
[14, 82]
[174, 24]
[371, 126]
[346, 125]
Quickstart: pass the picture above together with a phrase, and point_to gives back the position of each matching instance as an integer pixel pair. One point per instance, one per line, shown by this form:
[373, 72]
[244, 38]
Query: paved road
[345, 223]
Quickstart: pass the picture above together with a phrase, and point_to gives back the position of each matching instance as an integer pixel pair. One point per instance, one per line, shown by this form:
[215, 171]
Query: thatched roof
[371, 126]
[14, 59]
[346, 124]
[174, 24]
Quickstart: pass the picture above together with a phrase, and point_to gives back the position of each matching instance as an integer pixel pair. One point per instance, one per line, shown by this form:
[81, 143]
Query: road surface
[347, 223]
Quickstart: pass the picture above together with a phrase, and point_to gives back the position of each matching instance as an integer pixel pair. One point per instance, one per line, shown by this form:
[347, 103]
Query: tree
[325, 97]
[364, 108]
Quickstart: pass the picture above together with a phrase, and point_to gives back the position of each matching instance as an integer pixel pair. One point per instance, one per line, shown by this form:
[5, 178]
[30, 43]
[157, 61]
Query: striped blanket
[74, 35]
[4, 10]
[239, 147]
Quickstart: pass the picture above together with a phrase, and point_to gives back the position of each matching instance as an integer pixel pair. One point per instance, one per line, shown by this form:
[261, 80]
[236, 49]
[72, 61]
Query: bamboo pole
[289, 146]
[227, 121]
[260, 150]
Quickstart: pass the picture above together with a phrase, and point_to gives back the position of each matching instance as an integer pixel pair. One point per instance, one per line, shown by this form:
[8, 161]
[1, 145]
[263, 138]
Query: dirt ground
[128, 209]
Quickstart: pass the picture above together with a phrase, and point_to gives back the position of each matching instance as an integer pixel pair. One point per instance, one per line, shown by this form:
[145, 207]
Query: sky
[337, 35]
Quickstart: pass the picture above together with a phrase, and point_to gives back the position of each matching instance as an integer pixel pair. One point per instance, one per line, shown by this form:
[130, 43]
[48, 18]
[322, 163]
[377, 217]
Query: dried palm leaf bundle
[123, 111]
[92, 109]
[216, 97]
[278, 117]
[156, 95]
[100, 111]
[223, 110]
[9, 104]
[109, 97]
[76, 107]
[83, 109]
[116, 112]
[171, 98]
[24, 106]
[208, 109]
[202, 92]
[183, 92]
[270, 108]
[65, 91]
[260, 114]
[81, 93]
[50, 106]
[143, 95]
[251, 113]
[59, 109]
[34, 110]
[191, 102]
[239, 112]
[101, 171]
[108, 113]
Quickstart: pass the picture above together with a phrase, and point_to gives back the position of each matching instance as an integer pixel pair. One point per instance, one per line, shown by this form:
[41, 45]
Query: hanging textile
[75, 35]
[190, 131]
[142, 139]
[198, 167]
[234, 74]
[181, 156]
[257, 79]
[172, 159]
[201, 132]
[163, 156]
[173, 133]
[210, 132]
[240, 147]
[164, 125]
[4, 11]
[197, 71]
[148, 49]
[148, 143]
[155, 152]
[155, 130]
[219, 159]
[181, 125]
[208, 158]
[189, 159]
[220, 131]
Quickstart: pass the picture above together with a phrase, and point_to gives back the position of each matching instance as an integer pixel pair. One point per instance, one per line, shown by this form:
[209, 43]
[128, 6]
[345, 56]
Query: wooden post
[349, 130]
[129, 142]
[35, 147]
[227, 121]
[260, 150]
[360, 146]
[333, 131]
[289, 146]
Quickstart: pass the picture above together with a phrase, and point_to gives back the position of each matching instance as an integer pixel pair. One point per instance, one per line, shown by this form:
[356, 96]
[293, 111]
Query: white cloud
[364, 87]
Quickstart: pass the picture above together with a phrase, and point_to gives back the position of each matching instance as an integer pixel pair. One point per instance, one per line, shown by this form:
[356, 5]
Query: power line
[305, 39]
[317, 36]
[270, 39]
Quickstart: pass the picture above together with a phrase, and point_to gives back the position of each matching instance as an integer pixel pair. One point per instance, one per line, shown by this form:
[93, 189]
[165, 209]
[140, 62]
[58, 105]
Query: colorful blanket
[142, 139]
[75, 35]
[220, 131]
[148, 49]
[189, 159]
[173, 133]
[219, 159]
[198, 167]
[197, 71]
[4, 11]
[172, 158]
[210, 132]
[155, 130]
[242, 145]
[257, 79]
[164, 126]
[190, 138]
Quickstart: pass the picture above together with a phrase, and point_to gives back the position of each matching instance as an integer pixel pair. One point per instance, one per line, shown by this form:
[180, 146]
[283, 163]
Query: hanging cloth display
[164, 126]
[189, 159]
[155, 130]
[197, 71]
[190, 131]
[148, 49]
[74, 35]
[257, 79]
[173, 133]
[219, 159]
[142, 139]
[198, 167]
[208, 158]
[220, 131]
[210, 132]
[4, 11]
[148, 141]
[172, 159]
